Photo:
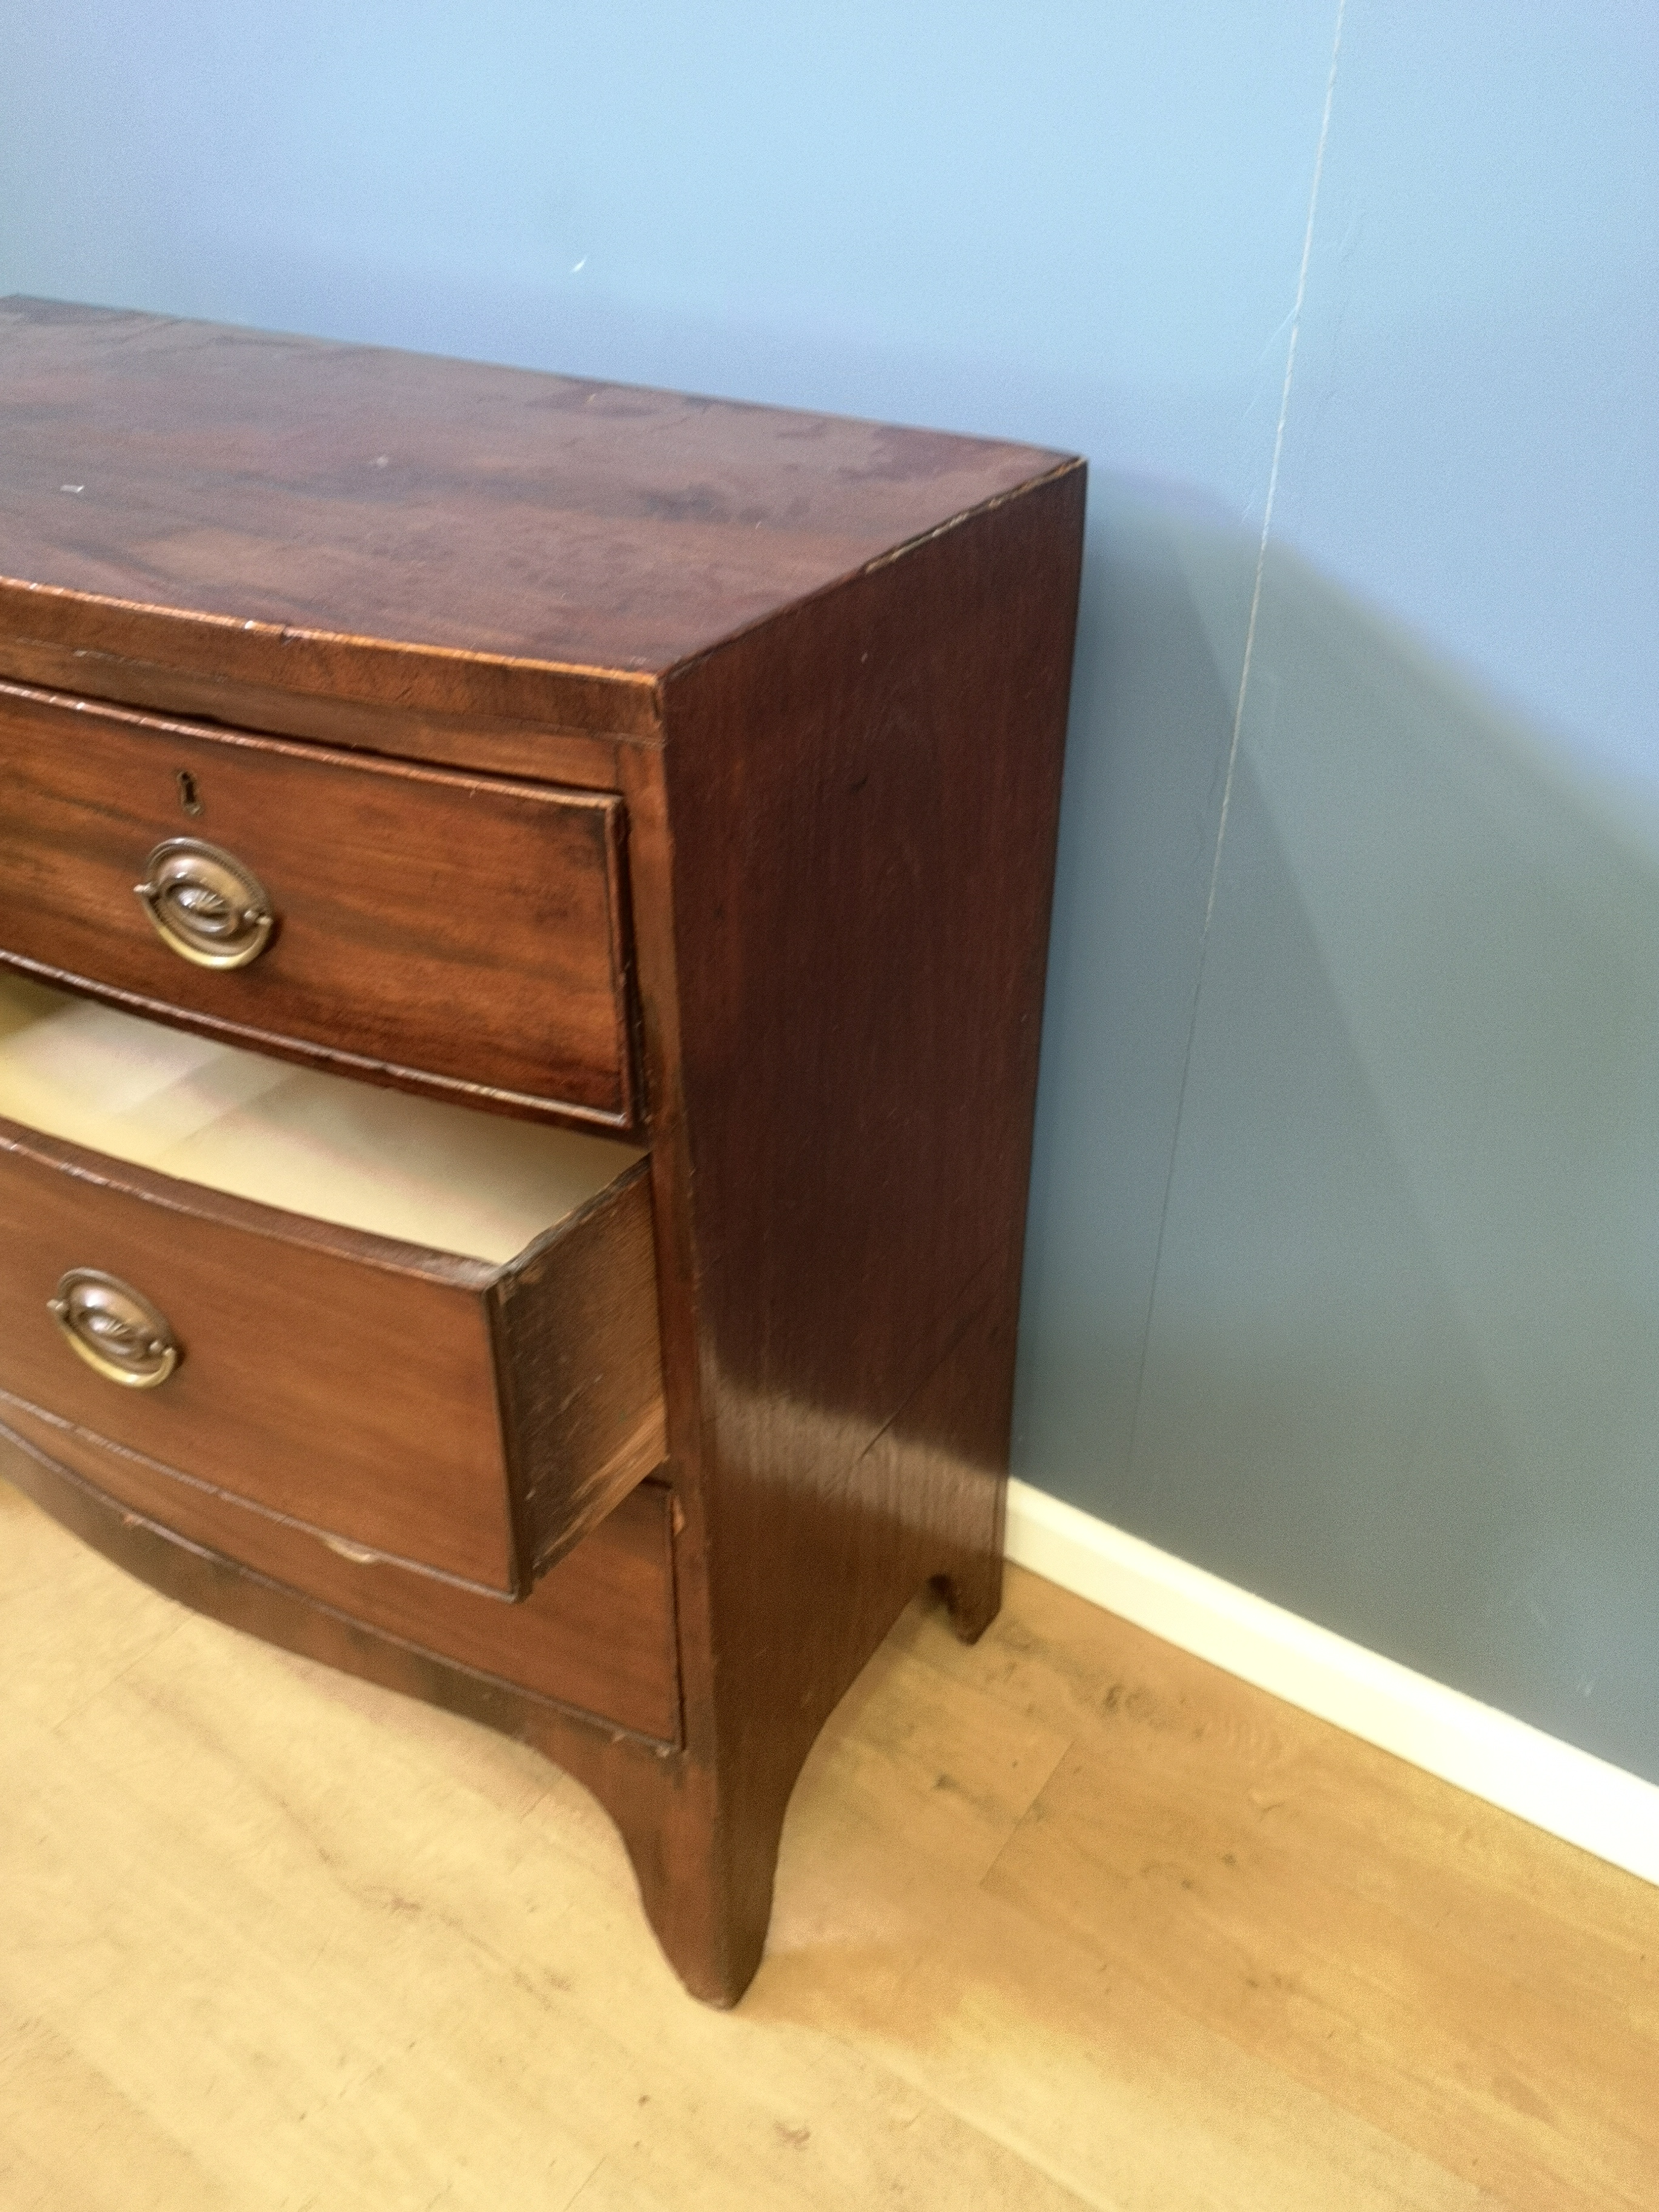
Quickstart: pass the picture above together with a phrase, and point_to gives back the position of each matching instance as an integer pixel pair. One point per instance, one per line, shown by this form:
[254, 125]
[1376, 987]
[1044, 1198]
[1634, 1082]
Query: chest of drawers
[523, 909]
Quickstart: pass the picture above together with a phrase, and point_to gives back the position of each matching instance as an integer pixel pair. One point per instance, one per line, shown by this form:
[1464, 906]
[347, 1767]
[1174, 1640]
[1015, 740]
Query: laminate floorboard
[1070, 1919]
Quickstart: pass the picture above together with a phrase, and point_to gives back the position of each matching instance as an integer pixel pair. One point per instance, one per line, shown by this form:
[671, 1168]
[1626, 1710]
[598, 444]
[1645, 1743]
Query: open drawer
[425, 1335]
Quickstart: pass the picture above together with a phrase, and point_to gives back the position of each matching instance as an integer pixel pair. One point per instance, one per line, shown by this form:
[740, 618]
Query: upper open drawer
[454, 933]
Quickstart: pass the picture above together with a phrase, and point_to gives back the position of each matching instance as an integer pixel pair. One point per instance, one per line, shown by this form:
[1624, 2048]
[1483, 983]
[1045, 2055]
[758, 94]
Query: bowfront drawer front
[596, 1633]
[459, 934]
[468, 1420]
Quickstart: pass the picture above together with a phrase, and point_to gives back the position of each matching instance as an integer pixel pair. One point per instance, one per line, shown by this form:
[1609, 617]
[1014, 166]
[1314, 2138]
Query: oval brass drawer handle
[205, 904]
[115, 1329]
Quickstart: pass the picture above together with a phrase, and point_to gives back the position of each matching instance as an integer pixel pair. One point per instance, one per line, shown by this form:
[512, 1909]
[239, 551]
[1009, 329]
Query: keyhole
[187, 798]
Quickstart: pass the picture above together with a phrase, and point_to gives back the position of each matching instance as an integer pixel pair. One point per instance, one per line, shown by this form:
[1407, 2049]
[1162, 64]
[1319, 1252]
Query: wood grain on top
[347, 491]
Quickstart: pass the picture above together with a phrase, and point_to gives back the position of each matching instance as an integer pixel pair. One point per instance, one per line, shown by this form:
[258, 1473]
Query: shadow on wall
[1343, 1279]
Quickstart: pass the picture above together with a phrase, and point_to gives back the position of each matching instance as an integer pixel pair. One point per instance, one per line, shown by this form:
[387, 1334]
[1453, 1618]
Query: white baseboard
[1568, 1792]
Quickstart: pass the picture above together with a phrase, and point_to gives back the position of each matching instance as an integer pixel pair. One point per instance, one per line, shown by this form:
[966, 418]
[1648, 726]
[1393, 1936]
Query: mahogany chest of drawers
[523, 911]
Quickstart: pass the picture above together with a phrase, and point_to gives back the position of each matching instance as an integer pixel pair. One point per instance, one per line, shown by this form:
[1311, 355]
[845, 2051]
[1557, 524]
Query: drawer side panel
[581, 1370]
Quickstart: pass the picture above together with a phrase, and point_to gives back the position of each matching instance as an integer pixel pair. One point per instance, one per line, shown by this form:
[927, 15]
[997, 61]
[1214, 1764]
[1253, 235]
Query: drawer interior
[385, 1162]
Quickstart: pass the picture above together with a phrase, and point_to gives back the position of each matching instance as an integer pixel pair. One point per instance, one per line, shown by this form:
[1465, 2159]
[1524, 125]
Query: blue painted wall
[1344, 1273]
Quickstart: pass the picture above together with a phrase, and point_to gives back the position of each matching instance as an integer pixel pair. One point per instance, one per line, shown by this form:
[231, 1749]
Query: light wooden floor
[1070, 1919]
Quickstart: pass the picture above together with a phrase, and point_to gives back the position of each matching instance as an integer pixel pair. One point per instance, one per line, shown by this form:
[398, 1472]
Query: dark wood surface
[366, 1390]
[863, 797]
[596, 1633]
[352, 503]
[496, 745]
[575, 1325]
[830, 662]
[463, 930]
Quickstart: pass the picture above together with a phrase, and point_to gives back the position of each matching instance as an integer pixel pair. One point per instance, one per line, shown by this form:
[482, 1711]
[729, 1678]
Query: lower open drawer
[418, 1334]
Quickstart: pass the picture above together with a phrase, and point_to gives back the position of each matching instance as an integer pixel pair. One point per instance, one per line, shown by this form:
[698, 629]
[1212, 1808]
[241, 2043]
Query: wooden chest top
[314, 495]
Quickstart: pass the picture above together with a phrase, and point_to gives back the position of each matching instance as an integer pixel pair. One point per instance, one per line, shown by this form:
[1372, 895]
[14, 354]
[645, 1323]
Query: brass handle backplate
[115, 1329]
[205, 904]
